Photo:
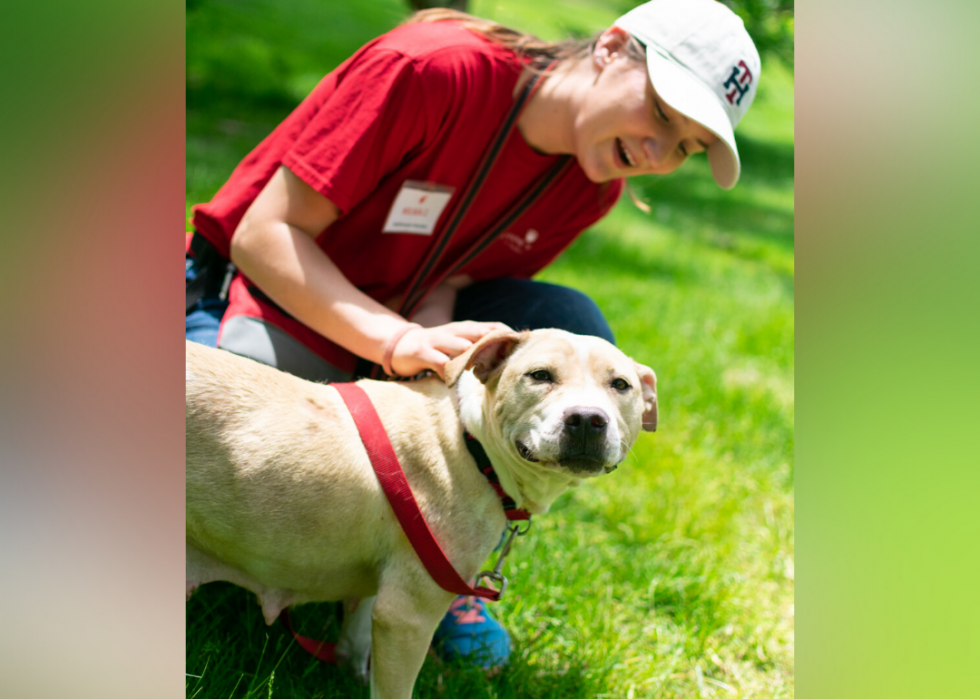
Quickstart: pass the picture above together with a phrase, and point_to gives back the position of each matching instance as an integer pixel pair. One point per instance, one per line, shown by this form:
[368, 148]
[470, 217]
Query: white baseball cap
[703, 64]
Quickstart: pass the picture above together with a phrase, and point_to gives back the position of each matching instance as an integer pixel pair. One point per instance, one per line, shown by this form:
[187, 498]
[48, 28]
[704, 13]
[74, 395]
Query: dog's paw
[358, 665]
[354, 647]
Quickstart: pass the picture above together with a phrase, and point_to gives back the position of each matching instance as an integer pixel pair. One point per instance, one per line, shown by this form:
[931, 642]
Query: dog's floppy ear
[648, 382]
[484, 356]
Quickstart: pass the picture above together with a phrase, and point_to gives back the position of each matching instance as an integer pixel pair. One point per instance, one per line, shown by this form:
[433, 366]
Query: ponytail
[526, 46]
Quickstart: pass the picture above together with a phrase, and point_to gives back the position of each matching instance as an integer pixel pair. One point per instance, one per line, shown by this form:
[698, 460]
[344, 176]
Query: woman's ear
[609, 44]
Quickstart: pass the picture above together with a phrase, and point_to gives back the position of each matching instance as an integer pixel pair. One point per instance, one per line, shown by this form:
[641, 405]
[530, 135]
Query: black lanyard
[428, 277]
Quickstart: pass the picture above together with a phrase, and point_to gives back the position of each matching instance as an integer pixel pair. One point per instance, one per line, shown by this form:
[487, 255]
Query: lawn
[674, 576]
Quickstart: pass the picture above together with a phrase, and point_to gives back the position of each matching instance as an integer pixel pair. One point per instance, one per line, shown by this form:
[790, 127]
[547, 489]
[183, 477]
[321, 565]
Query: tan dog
[282, 500]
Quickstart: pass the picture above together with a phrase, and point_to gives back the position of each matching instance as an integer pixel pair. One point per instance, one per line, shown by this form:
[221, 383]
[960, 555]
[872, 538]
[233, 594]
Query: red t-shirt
[420, 103]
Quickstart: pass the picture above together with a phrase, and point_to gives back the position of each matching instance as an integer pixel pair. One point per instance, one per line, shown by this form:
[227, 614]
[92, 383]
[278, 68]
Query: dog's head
[558, 400]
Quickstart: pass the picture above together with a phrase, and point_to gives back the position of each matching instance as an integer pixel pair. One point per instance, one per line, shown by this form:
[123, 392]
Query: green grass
[673, 577]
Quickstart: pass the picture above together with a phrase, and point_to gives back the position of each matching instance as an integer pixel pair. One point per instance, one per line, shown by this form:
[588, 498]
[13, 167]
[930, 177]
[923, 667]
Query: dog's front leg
[404, 621]
[354, 646]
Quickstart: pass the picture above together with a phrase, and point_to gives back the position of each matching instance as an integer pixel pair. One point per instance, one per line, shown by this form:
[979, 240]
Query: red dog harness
[395, 486]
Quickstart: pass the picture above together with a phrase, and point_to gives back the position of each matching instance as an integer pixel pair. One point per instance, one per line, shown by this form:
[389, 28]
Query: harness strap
[399, 493]
[324, 651]
[479, 455]
[406, 509]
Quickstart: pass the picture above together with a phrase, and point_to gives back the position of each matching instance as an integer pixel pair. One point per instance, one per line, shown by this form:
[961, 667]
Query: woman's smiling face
[624, 128]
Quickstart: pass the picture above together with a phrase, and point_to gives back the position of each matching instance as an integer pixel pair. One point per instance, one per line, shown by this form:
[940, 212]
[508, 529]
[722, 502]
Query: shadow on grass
[231, 653]
[662, 575]
[753, 222]
[695, 203]
[603, 253]
[766, 163]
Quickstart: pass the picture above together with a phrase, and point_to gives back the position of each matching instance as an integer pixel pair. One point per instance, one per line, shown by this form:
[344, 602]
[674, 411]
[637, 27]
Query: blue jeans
[523, 304]
[204, 318]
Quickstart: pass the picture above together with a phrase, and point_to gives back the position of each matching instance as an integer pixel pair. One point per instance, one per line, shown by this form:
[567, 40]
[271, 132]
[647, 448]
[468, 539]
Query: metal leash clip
[495, 575]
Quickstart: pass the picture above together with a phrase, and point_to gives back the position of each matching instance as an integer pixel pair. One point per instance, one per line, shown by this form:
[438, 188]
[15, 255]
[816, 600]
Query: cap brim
[684, 92]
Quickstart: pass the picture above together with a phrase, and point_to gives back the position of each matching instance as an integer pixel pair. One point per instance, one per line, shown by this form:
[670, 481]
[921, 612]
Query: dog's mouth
[584, 464]
[525, 452]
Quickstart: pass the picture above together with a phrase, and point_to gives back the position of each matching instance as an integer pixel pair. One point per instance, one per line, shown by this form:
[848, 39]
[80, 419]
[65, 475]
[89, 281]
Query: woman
[397, 215]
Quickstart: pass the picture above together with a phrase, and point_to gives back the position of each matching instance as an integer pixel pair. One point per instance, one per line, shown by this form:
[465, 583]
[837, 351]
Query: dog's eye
[620, 384]
[541, 375]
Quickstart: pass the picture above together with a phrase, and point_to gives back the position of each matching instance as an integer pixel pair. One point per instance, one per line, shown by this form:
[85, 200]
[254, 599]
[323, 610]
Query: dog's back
[260, 511]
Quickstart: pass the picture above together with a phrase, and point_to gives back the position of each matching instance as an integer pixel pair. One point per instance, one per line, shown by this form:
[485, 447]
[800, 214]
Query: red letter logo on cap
[740, 81]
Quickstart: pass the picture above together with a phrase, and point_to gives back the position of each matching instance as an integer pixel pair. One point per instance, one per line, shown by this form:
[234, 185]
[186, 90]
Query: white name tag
[417, 208]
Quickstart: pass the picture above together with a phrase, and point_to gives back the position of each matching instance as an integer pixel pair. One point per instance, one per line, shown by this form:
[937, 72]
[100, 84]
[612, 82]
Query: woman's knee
[574, 311]
[525, 304]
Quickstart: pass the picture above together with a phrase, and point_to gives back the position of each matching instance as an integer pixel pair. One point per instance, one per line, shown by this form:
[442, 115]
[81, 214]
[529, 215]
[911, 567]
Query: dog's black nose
[583, 440]
[585, 422]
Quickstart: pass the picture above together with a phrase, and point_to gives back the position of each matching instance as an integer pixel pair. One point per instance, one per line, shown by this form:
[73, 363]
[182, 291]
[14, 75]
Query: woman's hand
[430, 348]
[275, 247]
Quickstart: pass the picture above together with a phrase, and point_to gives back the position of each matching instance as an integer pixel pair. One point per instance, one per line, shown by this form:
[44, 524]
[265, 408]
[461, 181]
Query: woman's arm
[274, 246]
[438, 306]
